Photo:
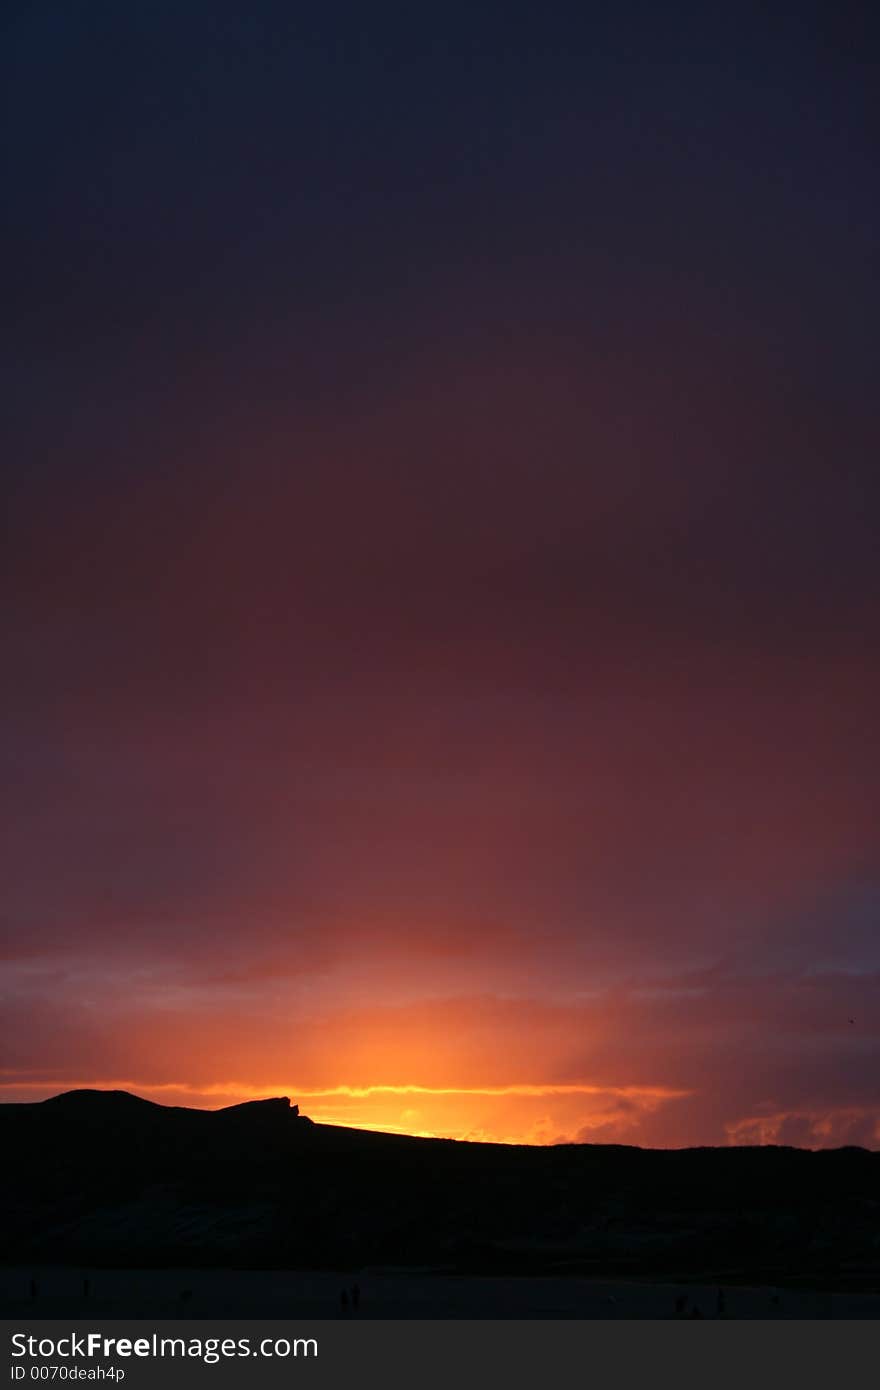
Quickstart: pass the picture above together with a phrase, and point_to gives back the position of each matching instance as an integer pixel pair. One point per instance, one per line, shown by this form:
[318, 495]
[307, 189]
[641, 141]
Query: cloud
[816, 1130]
[658, 1059]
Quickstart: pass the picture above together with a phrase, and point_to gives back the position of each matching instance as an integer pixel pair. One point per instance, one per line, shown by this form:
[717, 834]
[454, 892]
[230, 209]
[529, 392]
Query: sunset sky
[441, 577]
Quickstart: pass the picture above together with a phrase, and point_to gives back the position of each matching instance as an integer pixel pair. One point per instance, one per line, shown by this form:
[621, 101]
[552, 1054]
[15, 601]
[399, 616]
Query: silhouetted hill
[108, 1178]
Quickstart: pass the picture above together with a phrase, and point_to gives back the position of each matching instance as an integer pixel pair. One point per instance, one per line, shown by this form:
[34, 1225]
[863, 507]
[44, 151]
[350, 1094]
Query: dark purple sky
[441, 584]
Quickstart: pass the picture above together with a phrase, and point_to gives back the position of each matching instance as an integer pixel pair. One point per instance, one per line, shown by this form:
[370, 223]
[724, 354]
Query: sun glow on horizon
[513, 1113]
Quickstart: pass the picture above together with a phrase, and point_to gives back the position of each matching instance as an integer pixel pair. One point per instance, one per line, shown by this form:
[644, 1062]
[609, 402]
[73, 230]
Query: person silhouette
[355, 1296]
[720, 1304]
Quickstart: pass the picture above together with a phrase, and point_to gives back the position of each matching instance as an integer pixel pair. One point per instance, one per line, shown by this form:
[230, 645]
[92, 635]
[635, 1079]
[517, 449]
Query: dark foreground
[105, 1180]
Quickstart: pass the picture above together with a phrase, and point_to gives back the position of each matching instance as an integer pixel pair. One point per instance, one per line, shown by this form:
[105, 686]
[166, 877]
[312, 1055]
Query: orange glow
[523, 1113]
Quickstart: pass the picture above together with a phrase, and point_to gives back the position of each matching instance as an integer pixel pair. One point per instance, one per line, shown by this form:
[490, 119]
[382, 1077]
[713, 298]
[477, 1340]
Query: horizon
[120, 1090]
[157, 1098]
